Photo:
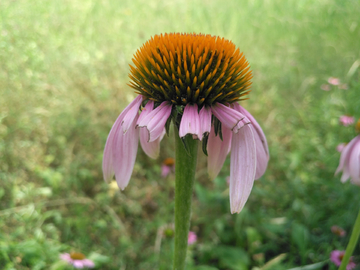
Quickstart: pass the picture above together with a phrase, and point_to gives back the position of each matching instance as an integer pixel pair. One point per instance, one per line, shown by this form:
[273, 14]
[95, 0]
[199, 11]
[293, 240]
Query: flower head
[336, 257]
[346, 120]
[350, 162]
[78, 260]
[194, 81]
[192, 238]
[167, 167]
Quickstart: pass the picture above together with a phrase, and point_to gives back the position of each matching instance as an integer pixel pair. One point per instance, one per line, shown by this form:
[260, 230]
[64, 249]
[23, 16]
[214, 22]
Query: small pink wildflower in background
[325, 87]
[77, 259]
[340, 147]
[338, 231]
[192, 238]
[334, 81]
[346, 120]
[337, 256]
[167, 167]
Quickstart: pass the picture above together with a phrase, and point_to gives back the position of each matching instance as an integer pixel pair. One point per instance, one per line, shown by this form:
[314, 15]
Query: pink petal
[131, 111]
[229, 117]
[190, 122]
[152, 149]
[346, 120]
[78, 264]
[205, 121]
[66, 257]
[149, 107]
[192, 238]
[88, 263]
[165, 170]
[217, 151]
[262, 149]
[354, 162]
[108, 158]
[334, 81]
[125, 149]
[155, 121]
[242, 167]
[344, 160]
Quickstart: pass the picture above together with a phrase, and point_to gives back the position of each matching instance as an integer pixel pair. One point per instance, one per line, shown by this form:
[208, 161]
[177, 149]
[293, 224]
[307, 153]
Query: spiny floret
[190, 68]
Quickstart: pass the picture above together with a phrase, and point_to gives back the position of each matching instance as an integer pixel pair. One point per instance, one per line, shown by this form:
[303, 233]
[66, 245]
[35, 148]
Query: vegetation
[63, 76]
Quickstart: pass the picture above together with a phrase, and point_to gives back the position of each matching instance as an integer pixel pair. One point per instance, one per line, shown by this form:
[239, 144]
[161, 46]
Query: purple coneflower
[346, 120]
[336, 257]
[78, 260]
[194, 81]
[350, 162]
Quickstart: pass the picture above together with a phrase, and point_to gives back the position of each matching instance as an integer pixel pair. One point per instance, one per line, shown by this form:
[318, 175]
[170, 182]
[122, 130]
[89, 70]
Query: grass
[63, 76]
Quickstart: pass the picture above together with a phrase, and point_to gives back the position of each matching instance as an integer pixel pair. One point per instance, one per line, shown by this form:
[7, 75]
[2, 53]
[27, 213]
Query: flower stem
[185, 166]
[352, 243]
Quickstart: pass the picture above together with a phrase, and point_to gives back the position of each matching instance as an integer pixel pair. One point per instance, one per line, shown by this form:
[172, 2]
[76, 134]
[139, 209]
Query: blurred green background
[63, 75]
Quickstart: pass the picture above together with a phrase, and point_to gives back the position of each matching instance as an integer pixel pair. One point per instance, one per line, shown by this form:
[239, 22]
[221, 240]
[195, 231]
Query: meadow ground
[63, 75]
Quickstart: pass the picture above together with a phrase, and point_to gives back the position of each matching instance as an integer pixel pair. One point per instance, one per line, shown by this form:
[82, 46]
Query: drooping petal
[205, 121]
[190, 122]
[109, 150]
[229, 117]
[131, 111]
[155, 121]
[126, 146]
[344, 160]
[149, 107]
[152, 149]
[262, 149]
[242, 167]
[217, 150]
[354, 162]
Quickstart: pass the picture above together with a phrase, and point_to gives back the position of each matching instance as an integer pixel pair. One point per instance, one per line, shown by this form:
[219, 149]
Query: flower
[334, 81]
[192, 238]
[167, 167]
[340, 147]
[336, 257]
[194, 81]
[350, 162]
[338, 230]
[346, 120]
[78, 260]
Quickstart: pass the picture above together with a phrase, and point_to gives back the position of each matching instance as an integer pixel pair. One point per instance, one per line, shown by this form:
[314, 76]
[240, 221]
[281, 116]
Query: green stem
[185, 166]
[352, 243]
